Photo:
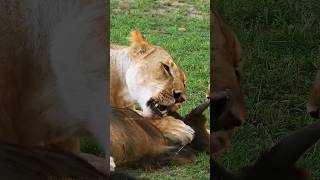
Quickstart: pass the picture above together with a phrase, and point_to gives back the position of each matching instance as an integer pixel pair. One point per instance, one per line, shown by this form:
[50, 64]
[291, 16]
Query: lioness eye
[166, 67]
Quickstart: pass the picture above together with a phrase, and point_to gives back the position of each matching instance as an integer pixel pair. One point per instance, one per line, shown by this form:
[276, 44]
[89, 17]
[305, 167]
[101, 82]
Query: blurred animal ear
[289, 150]
[139, 45]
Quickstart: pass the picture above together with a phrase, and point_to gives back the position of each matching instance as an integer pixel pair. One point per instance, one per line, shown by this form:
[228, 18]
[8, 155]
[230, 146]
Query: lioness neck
[119, 64]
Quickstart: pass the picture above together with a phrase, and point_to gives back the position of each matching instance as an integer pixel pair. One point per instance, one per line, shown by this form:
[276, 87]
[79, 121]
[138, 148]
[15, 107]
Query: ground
[182, 28]
[281, 43]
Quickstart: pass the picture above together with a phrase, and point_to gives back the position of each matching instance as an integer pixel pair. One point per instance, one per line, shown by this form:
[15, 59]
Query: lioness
[52, 72]
[226, 74]
[145, 74]
[313, 106]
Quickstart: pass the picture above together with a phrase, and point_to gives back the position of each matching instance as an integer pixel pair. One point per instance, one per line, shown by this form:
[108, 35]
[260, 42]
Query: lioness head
[226, 74]
[313, 106]
[153, 78]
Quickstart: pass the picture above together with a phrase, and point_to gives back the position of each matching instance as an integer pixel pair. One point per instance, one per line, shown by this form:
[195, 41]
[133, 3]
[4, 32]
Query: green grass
[281, 42]
[160, 21]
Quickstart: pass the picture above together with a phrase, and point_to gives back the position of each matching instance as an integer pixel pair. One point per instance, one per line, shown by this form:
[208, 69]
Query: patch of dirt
[166, 6]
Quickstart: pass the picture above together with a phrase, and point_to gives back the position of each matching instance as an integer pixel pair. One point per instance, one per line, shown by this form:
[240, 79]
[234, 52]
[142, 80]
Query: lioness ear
[138, 43]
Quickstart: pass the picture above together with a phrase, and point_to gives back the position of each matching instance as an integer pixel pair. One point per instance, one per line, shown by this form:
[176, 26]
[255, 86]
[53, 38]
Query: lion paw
[182, 134]
[175, 130]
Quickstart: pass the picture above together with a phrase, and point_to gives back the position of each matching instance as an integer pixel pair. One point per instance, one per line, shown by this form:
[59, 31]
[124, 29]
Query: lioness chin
[145, 74]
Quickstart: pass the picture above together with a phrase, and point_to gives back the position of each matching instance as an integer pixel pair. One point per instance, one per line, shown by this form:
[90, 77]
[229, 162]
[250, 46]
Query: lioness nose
[179, 96]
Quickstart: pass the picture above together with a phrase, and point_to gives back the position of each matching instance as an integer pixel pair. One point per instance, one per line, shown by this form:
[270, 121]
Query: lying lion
[145, 74]
[228, 108]
[135, 140]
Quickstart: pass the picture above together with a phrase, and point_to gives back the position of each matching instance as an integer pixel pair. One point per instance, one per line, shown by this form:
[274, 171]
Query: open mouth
[158, 108]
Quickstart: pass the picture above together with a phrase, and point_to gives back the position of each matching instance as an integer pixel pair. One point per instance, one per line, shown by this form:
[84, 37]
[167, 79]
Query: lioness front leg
[174, 129]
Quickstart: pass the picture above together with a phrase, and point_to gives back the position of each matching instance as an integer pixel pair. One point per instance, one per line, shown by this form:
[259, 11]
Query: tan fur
[134, 137]
[314, 102]
[44, 100]
[137, 74]
[129, 140]
[174, 129]
[226, 75]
